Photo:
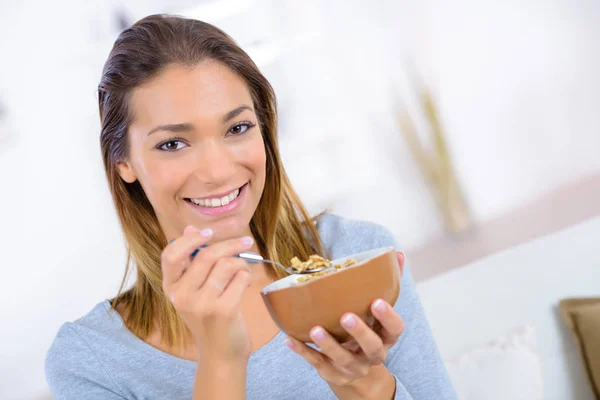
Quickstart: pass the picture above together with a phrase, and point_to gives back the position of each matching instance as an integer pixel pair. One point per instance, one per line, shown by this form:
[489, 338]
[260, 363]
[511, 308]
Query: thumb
[401, 258]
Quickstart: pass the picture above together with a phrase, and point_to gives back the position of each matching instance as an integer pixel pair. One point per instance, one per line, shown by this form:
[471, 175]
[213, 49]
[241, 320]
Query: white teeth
[223, 201]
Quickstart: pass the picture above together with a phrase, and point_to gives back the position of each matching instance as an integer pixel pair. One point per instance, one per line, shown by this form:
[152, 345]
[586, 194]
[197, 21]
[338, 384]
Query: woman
[189, 146]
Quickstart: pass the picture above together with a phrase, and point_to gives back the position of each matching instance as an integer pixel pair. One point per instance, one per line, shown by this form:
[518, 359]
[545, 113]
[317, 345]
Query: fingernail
[206, 232]
[349, 321]
[318, 334]
[379, 305]
[247, 240]
[290, 343]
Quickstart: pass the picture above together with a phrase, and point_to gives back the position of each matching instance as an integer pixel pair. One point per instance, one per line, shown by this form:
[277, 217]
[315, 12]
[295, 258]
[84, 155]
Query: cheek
[258, 157]
[251, 156]
[159, 178]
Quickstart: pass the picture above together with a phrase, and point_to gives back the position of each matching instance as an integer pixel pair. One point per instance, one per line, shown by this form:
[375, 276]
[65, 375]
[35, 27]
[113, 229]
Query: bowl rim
[365, 256]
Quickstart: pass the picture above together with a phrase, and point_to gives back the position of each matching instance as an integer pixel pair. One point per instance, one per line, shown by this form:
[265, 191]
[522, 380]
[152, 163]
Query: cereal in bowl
[316, 261]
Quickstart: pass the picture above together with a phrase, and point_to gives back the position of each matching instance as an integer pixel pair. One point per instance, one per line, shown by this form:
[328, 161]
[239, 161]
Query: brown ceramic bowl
[298, 307]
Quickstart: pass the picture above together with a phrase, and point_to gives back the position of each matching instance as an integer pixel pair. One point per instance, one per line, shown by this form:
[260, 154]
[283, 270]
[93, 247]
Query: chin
[231, 227]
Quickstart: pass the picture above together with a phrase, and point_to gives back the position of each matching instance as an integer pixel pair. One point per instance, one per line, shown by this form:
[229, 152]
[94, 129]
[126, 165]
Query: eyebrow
[186, 127]
[172, 128]
[234, 113]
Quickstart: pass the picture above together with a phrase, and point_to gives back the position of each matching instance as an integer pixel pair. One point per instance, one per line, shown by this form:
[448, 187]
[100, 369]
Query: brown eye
[240, 129]
[171, 145]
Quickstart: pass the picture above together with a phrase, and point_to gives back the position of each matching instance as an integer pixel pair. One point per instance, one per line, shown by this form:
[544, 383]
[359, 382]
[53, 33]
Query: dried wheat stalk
[436, 165]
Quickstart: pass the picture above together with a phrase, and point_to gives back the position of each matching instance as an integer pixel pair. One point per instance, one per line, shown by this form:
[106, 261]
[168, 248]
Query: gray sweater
[97, 357]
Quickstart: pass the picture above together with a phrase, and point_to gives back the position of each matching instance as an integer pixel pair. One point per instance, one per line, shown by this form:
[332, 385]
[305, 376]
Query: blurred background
[471, 129]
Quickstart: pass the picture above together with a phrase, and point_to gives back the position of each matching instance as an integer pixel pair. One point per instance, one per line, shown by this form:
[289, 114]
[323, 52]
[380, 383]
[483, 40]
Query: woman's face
[197, 150]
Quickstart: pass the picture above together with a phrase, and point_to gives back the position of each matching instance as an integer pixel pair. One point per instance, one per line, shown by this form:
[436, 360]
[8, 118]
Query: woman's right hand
[207, 291]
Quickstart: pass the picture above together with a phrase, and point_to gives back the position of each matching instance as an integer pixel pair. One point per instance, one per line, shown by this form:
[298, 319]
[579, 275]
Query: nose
[214, 163]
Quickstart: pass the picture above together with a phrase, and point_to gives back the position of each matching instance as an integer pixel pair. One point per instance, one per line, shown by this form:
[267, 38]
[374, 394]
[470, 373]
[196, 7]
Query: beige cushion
[583, 319]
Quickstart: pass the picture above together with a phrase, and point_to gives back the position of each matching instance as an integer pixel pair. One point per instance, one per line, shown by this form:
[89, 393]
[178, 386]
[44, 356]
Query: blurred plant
[5, 134]
[122, 20]
[435, 162]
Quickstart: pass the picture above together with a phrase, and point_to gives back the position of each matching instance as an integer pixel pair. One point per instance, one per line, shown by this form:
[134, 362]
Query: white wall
[518, 87]
[518, 90]
[521, 94]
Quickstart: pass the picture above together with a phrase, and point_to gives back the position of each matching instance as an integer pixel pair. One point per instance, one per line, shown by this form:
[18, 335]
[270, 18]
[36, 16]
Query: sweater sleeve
[74, 372]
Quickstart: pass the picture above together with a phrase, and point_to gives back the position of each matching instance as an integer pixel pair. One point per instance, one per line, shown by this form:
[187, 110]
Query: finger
[205, 260]
[319, 361]
[351, 345]
[340, 356]
[232, 295]
[220, 277]
[227, 248]
[176, 256]
[391, 322]
[369, 341]
[189, 230]
[401, 259]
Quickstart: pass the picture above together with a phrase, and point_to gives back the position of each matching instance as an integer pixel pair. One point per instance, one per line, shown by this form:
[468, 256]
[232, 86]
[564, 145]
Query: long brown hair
[281, 225]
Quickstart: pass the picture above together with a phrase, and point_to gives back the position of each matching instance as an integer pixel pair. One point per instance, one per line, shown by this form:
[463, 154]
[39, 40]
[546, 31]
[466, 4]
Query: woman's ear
[125, 170]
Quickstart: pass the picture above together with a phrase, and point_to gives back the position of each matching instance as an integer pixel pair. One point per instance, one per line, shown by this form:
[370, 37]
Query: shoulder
[67, 354]
[72, 364]
[343, 236]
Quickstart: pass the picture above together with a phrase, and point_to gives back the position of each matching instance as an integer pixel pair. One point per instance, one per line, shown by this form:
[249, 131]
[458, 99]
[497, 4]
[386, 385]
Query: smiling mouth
[216, 201]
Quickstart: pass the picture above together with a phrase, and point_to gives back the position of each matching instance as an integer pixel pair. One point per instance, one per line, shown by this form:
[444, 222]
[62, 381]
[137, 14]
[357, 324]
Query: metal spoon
[254, 258]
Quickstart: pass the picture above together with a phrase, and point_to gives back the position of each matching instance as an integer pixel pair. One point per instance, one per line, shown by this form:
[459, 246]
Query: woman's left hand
[351, 364]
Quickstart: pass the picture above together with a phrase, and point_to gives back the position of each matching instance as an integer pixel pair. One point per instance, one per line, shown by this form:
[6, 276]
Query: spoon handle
[249, 257]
